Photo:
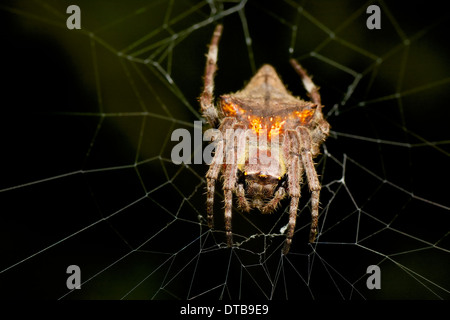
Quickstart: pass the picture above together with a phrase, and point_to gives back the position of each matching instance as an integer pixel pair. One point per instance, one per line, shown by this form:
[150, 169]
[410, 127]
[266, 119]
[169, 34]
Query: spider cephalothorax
[269, 139]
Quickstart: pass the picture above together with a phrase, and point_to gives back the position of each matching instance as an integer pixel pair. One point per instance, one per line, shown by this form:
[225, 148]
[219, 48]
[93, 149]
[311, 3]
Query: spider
[294, 130]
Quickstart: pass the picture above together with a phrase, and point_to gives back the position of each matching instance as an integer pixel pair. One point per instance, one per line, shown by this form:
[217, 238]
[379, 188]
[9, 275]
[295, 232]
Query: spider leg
[211, 177]
[206, 98]
[229, 185]
[295, 172]
[243, 203]
[214, 170]
[273, 203]
[322, 129]
[309, 146]
[242, 200]
[309, 85]
[313, 180]
[228, 215]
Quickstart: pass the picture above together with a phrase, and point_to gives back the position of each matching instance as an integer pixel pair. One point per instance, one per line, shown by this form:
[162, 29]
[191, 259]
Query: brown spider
[293, 128]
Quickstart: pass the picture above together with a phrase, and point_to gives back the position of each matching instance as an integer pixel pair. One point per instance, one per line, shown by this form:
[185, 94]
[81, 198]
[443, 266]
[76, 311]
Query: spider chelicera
[293, 128]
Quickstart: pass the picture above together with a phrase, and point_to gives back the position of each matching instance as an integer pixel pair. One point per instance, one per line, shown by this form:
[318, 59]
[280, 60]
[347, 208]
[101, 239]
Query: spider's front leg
[310, 145]
[313, 180]
[229, 185]
[214, 170]
[242, 200]
[206, 98]
[211, 177]
[275, 201]
[233, 151]
[295, 172]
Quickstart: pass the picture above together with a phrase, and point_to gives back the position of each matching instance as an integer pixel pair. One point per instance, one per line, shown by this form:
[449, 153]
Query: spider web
[86, 171]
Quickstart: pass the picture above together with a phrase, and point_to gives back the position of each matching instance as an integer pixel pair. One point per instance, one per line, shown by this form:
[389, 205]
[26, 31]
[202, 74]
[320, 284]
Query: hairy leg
[313, 180]
[211, 177]
[295, 172]
[206, 98]
[214, 170]
[242, 200]
[273, 203]
[235, 145]
[309, 85]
